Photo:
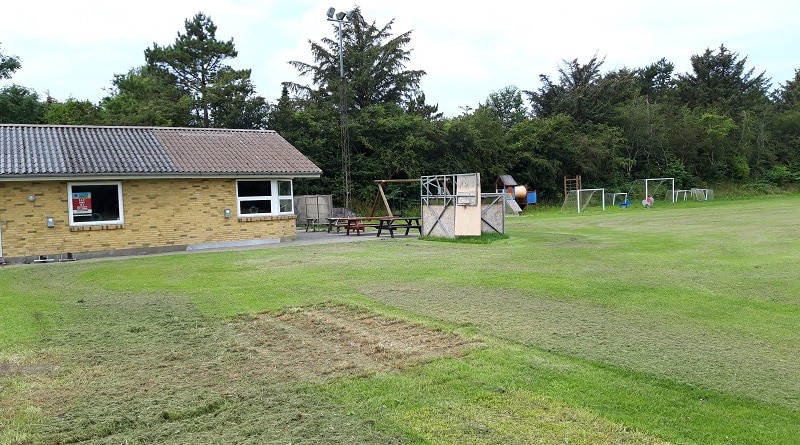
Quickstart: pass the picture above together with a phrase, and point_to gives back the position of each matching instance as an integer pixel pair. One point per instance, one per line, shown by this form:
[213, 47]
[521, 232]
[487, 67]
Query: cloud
[469, 49]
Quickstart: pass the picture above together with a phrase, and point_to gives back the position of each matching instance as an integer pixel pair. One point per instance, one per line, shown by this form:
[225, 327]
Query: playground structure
[571, 184]
[453, 205]
[517, 197]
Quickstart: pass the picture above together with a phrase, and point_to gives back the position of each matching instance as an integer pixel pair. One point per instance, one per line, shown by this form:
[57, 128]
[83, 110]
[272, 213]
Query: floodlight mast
[340, 18]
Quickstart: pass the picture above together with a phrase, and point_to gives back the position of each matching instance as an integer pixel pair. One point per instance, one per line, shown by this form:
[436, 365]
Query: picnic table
[337, 222]
[383, 224]
[392, 223]
[354, 223]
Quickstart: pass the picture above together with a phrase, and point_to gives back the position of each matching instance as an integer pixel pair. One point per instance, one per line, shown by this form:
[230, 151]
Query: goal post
[581, 199]
[616, 198]
[658, 189]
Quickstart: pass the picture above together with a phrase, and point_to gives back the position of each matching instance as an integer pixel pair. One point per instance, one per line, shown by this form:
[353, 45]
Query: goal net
[584, 200]
[660, 189]
[616, 198]
[699, 194]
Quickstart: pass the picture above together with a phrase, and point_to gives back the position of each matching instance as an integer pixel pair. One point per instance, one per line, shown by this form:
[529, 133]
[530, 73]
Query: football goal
[660, 189]
[617, 198]
[584, 199]
[702, 194]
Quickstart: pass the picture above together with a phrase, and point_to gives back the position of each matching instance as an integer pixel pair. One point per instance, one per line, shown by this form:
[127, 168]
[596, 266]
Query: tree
[788, 95]
[19, 105]
[394, 143]
[716, 149]
[731, 103]
[416, 105]
[195, 62]
[655, 81]
[233, 102]
[507, 104]
[374, 65]
[376, 89]
[476, 142]
[73, 112]
[8, 65]
[312, 128]
[537, 147]
[784, 128]
[719, 81]
[145, 96]
[578, 93]
[279, 116]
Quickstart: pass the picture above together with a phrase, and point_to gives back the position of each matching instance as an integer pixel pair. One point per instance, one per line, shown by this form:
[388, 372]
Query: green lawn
[678, 324]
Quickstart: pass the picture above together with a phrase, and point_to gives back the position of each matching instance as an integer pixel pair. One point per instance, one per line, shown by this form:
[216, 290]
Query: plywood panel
[468, 220]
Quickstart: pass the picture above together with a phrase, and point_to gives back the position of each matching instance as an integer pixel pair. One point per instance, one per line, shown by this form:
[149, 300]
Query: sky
[468, 49]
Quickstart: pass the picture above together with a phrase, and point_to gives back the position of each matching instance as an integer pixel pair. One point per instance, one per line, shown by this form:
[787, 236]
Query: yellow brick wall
[158, 214]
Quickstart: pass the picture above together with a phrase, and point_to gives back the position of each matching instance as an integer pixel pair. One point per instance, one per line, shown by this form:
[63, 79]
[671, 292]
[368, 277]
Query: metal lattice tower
[341, 18]
[345, 142]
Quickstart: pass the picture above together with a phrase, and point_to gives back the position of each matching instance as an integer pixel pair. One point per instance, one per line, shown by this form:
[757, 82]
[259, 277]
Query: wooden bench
[313, 223]
[360, 224]
[335, 222]
[338, 218]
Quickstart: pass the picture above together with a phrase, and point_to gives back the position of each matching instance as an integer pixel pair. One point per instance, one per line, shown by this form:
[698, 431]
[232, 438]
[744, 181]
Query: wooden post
[382, 196]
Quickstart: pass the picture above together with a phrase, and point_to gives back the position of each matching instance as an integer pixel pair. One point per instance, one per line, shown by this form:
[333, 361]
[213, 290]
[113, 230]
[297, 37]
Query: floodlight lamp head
[340, 15]
[350, 16]
[331, 11]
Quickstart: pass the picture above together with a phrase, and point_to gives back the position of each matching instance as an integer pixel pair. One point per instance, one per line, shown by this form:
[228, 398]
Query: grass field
[678, 324]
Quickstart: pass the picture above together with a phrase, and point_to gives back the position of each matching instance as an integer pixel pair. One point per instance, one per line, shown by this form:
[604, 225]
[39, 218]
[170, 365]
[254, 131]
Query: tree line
[720, 122]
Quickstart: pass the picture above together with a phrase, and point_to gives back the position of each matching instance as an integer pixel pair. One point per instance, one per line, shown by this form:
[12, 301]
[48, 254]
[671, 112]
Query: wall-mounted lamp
[227, 213]
[31, 198]
[51, 222]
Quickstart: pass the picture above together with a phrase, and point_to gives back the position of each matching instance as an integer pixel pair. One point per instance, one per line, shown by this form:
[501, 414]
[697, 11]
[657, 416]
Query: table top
[374, 218]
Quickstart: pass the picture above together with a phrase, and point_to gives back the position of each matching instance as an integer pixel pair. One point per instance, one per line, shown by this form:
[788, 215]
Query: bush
[780, 175]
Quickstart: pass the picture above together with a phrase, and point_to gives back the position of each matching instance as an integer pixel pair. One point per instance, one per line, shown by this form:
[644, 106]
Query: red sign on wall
[81, 203]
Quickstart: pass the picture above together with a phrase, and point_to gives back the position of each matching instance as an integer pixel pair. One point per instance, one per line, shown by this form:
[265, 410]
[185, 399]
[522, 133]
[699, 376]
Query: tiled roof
[507, 180]
[55, 150]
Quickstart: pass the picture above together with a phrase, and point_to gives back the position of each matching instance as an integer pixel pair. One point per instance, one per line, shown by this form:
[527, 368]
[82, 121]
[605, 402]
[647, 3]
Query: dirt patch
[327, 341]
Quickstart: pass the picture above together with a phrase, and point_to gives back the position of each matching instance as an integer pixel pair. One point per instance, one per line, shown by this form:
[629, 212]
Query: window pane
[95, 203]
[286, 206]
[254, 207]
[255, 188]
[285, 188]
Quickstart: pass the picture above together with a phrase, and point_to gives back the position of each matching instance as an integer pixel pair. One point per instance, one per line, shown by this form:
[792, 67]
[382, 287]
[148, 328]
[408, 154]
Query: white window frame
[275, 198]
[72, 223]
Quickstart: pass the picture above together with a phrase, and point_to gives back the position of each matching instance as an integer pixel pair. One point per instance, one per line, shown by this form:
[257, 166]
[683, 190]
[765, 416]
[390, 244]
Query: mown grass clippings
[153, 370]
